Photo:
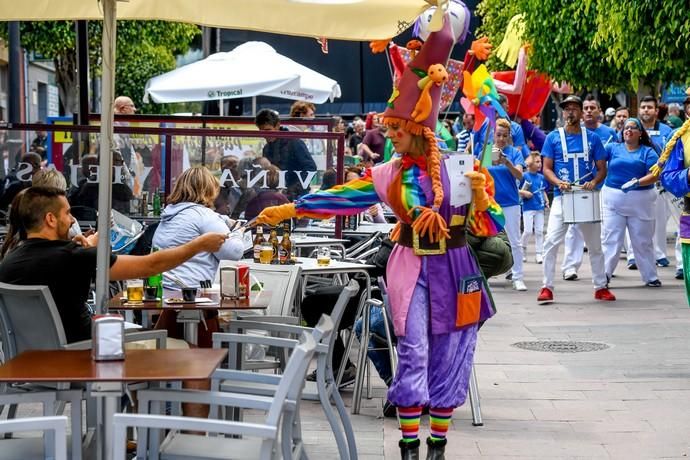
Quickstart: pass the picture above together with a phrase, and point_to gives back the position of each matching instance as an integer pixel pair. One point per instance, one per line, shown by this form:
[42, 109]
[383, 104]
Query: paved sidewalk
[630, 401]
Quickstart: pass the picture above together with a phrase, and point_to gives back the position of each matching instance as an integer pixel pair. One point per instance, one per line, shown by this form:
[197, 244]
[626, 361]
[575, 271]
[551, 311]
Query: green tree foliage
[599, 44]
[647, 40]
[144, 50]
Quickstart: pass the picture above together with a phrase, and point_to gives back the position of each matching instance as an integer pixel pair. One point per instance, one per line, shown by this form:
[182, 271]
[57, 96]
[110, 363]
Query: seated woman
[189, 214]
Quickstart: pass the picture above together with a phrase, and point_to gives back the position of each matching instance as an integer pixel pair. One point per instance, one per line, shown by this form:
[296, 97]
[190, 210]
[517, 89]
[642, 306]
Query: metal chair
[53, 444]
[56, 426]
[251, 440]
[324, 389]
[29, 320]
[283, 282]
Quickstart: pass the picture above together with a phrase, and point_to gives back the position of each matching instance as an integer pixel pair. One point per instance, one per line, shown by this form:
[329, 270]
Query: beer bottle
[258, 241]
[274, 242]
[156, 280]
[285, 245]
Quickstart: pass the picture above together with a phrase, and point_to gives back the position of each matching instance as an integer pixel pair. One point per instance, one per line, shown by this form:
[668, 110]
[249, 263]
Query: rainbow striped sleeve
[343, 200]
[491, 221]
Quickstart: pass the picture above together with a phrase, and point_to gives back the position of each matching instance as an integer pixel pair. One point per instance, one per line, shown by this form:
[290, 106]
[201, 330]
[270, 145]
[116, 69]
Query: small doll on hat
[437, 293]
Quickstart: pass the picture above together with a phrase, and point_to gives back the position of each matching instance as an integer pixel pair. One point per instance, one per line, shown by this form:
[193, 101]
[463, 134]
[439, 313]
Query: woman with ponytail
[437, 294]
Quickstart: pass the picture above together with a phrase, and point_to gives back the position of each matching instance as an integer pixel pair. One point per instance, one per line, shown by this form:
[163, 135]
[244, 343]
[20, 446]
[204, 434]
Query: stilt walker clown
[437, 293]
[675, 177]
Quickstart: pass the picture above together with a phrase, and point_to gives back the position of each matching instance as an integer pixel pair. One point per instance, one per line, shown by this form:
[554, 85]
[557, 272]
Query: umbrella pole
[253, 106]
[105, 161]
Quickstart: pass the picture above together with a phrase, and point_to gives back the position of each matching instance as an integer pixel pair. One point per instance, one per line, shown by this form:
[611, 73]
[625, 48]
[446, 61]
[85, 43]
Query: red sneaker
[545, 295]
[604, 294]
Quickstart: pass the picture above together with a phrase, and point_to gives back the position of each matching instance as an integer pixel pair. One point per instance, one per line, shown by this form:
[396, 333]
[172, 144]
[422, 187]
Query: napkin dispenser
[235, 281]
[229, 282]
[108, 337]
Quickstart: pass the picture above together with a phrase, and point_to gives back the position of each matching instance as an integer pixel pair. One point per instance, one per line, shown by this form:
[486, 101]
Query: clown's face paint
[401, 139]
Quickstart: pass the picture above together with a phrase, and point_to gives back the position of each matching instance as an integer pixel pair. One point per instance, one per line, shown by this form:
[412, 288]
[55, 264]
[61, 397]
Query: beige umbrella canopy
[335, 19]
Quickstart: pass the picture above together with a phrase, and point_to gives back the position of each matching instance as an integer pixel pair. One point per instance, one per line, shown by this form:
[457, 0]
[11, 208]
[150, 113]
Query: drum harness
[575, 155]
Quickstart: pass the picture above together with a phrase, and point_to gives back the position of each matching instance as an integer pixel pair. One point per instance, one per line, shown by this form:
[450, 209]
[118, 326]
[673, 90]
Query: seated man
[47, 257]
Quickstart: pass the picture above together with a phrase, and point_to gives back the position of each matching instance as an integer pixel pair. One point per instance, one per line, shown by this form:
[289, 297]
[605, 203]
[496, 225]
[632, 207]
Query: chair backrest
[29, 319]
[363, 245]
[56, 443]
[281, 280]
[292, 382]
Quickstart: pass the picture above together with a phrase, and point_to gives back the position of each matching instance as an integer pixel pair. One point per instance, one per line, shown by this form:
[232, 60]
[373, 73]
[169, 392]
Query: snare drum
[581, 207]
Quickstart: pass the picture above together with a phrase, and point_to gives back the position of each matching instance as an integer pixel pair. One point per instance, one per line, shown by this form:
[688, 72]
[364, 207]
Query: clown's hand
[477, 180]
[479, 196]
[276, 214]
[632, 184]
[379, 46]
[481, 48]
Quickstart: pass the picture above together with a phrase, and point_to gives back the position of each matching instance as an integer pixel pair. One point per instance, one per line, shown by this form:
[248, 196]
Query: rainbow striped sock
[409, 422]
[439, 421]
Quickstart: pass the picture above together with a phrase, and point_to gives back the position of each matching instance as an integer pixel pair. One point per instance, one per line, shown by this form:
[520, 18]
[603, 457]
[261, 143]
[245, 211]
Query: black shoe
[679, 274]
[653, 283]
[389, 410]
[311, 377]
[632, 265]
[349, 376]
[509, 276]
[436, 449]
[409, 450]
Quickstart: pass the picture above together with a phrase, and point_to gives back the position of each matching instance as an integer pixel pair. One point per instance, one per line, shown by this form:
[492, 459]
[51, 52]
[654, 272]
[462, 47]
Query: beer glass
[135, 291]
[266, 253]
[323, 257]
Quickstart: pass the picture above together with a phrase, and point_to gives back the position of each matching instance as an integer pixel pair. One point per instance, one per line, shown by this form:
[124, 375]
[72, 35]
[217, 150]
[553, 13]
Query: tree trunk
[66, 80]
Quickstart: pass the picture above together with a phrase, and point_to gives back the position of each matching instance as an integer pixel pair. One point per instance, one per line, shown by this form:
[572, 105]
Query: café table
[191, 316]
[106, 380]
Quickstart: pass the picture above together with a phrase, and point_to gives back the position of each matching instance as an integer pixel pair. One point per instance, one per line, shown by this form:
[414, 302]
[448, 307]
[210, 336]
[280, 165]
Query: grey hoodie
[181, 223]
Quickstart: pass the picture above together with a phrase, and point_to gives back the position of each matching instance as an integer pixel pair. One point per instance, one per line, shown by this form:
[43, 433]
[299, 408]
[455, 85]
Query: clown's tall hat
[415, 102]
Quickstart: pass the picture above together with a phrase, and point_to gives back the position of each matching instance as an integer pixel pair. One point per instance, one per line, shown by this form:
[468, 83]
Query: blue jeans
[380, 358]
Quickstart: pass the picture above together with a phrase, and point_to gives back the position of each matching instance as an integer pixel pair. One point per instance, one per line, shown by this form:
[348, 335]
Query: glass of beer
[323, 257]
[266, 253]
[135, 291]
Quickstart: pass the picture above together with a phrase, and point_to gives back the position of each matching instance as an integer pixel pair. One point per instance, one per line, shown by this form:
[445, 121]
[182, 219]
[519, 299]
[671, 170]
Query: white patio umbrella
[251, 69]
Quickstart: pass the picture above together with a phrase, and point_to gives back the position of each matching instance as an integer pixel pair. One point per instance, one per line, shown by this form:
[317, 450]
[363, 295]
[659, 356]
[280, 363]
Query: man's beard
[572, 121]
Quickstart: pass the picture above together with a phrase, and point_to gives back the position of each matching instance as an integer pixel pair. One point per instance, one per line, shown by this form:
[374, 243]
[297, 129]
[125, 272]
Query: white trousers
[679, 255]
[555, 233]
[632, 211]
[533, 224]
[574, 249]
[512, 228]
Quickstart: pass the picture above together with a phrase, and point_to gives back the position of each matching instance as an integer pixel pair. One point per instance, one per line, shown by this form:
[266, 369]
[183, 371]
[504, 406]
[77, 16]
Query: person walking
[534, 201]
[629, 200]
[438, 296]
[506, 170]
[569, 155]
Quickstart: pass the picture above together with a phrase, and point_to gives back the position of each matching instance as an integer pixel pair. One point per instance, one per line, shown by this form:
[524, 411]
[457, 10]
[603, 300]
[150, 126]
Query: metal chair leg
[474, 400]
